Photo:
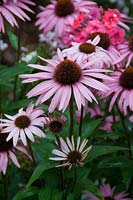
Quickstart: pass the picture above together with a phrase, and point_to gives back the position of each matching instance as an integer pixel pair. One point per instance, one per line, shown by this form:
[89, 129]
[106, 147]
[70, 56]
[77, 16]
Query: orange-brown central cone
[64, 8]
[22, 121]
[104, 39]
[55, 126]
[74, 157]
[126, 78]
[67, 72]
[87, 48]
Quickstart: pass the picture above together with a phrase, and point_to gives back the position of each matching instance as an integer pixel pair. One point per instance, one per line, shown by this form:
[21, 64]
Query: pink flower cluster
[97, 20]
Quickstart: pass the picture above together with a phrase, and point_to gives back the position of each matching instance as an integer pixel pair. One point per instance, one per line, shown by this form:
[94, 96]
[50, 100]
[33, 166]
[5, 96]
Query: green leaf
[57, 196]
[90, 127]
[13, 39]
[43, 166]
[45, 194]
[117, 161]
[70, 197]
[8, 74]
[100, 150]
[26, 193]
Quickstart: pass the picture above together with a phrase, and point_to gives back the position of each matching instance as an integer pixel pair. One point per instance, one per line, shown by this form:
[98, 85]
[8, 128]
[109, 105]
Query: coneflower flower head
[63, 77]
[70, 152]
[24, 124]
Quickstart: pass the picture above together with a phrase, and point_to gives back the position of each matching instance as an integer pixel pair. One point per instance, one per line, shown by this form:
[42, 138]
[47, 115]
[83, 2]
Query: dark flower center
[104, 39]
[74, 157]
[108, 198]
[130, 44]
[64, 8]
[126, 78]
[55, 126]
[67, 72]
[22, 121]
[4, 145]
[87, 48]
[1, 2]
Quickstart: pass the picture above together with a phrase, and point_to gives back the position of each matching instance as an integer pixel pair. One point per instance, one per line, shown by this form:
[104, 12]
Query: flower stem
[61, 170]
[17, 60]
[75, 177]
[81, 120]
[126, 133]
[5, 182]
[71, 116]
[31, 152]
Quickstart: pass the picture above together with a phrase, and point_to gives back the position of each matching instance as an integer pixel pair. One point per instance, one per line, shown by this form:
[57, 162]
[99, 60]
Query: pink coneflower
[71, 153]
[121, 89]
[7, 151]
[126, 51]
[62, 78]
[56, 123]
[106, 43]
[60, 13]
[108, 194]
[89, 52]
[11, 8]
[24, 124]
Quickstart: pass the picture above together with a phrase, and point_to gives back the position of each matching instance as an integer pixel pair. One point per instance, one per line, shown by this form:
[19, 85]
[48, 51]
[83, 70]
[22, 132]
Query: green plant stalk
[17, 60]
[81, 120]
[75, 177]
[62, 183]
[71, 116]
[31, 152]
[5, 183]
[126, 133]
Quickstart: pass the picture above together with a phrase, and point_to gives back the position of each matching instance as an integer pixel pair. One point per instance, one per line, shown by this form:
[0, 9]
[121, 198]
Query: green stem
[17, 60]
[5, 182]
[71, 116]
[81, 120]
[75, 177]
[126, 133]
[61, 170]
[31, 152]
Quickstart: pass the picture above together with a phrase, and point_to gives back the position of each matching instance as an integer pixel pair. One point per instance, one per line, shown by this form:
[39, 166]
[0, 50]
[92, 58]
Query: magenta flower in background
[109, 22]
[9, 9]
[24, 124]
[89, 52]
[7, 151]
[108, 194]
[112, 18]
[121, 89]
[71, 153]
[63, 76]
[60, 13]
